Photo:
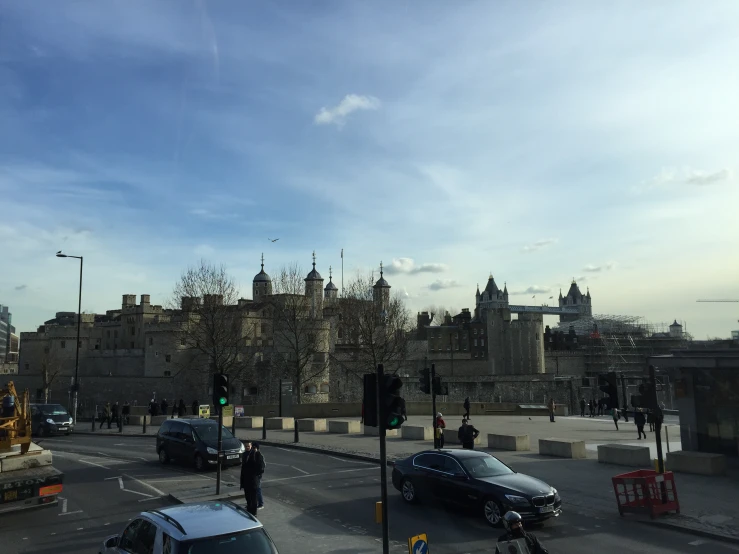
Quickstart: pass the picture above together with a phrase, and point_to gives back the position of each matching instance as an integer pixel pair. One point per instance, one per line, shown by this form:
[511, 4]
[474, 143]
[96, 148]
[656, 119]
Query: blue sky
[538, 141]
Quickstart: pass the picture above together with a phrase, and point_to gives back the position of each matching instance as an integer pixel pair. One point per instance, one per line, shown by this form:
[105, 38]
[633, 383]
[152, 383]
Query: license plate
[232, 456]
[546, 509]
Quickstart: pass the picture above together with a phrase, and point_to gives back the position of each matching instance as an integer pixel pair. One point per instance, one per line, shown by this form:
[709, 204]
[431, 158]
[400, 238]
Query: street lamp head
[60, 255]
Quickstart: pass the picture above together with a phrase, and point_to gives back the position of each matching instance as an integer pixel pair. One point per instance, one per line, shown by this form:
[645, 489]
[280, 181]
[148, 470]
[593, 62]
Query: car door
[431, 466]
[138, 538]
[178, 439]
[455, 486]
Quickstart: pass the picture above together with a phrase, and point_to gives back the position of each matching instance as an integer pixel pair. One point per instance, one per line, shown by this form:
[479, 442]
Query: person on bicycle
[513, 523]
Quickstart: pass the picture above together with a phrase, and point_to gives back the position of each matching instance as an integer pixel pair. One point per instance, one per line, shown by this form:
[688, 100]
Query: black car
[195, 441]
[50, 419]
[475, 480]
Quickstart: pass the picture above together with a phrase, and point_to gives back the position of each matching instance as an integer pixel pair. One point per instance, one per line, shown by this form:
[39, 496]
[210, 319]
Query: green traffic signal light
[222, 401]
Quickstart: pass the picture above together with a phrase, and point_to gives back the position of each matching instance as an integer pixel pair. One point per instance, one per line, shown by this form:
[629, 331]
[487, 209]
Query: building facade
[8, 338]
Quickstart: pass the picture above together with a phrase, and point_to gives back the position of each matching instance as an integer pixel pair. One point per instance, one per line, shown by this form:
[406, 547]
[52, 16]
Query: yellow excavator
[27, 477]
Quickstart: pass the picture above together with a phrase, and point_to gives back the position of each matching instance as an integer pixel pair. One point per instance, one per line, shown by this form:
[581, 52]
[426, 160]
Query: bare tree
[212, 331]
[51, 367]
[438, 312]
[373, 333]
[298, 331]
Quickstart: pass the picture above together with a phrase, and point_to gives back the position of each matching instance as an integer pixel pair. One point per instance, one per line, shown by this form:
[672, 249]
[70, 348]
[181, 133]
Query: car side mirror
[112, 542]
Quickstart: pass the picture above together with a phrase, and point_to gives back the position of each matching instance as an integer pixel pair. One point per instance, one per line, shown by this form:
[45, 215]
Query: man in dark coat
[467, 435]
[252, 467]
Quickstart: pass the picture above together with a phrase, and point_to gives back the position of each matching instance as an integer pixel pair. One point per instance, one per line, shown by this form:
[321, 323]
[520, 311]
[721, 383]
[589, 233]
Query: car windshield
[53, 409]
[210, 432]
[485, 466]
[253, 542]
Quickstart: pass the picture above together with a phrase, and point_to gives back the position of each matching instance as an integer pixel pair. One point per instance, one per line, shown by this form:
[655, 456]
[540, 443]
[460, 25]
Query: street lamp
[76, 385]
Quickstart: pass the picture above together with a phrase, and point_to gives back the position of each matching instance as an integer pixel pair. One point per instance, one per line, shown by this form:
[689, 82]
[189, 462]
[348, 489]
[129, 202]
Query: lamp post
[76, 385]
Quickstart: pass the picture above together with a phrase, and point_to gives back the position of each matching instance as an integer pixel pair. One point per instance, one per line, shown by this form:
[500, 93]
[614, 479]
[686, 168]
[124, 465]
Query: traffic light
[425, 380]
[369, 400]
[608, 383]
[440, 389]
[646, 397]
[220, 389]
[392, 404]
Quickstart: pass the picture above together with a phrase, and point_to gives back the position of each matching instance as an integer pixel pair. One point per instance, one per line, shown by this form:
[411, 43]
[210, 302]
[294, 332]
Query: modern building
[8, 338]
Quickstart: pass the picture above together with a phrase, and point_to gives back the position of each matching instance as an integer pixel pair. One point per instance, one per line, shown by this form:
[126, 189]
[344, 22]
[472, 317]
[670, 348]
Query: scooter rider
[513, 523]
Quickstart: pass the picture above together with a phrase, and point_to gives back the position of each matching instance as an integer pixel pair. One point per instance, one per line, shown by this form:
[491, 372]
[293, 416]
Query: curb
[692, 531]
[113, 435]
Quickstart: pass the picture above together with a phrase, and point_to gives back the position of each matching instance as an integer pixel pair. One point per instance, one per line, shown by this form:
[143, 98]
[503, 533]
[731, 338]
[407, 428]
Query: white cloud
[21, 287]
[539, 244]
[533, 289]
[688, 176]
[351, 103]
[590, 268]
[440, 284]
[409, 266]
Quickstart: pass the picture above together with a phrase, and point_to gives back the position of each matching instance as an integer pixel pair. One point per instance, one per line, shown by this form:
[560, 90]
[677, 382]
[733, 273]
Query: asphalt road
[315, 503]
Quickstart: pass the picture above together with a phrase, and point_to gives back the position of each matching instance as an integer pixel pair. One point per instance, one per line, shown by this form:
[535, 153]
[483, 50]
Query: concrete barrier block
[700, 463]
[450, 437]
[17, 462]
[624, 455]
[250, 422]
[344, 426]
[312, 424]
[417, 432]
[375, 432]
[280, 423]
[509, 442]
[562, 448]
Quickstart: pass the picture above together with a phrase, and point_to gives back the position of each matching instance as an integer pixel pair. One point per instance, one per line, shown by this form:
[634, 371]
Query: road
[315, 503]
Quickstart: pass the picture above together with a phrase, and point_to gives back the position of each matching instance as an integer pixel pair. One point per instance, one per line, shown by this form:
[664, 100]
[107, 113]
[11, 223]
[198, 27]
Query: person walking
[616, 416]
[650, 420]
[126, 411]
[153, 407]
[551, 407]
[582, 407]
[181, 410]
[440, 426]
[466, 406]
[251, 469]
[260, 498]
[164, 406]
[639, 421]
[106, 415]
[114, 415]
[467, 435]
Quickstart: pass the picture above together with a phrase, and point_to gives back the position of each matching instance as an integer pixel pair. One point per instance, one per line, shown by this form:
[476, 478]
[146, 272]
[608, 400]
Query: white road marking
[64, 504]
[119, 444]
[152, 498]
[697, 543]
[93, 464]
[300, 470]
[104, 454]
[349, 461]
[137, 492]
[70, 513]
[317, 474]
[151, 487]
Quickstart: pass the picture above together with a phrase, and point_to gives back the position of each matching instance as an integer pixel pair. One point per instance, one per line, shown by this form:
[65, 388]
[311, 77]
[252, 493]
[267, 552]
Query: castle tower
[331, 291]
[575, 299]
[314, 290]
[262, 284]
[381, 293]
[492, 297]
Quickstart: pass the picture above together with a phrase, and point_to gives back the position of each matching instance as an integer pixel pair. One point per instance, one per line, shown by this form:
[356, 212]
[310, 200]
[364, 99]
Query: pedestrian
[260, 498]
[164, 406]
[440, 426]
[616, 417]
[650, 420]
[467, 435]
[106, 415]
[582, 407]
[181, 409]
[639, 421]
[466, 408]
[251, 469]
[591, 407]
[115, 415]
[195, 407]
[551, 407]
[361, 415]
[153, 407]
[126, 412]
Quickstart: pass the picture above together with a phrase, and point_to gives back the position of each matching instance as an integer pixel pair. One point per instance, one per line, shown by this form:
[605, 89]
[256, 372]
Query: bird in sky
[273, 240]
[551, 297]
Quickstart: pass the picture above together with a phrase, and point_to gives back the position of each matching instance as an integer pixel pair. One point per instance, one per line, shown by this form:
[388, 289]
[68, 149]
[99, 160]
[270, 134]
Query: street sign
[228, 411]
[418, 544]
[239, 411]
[204, 411]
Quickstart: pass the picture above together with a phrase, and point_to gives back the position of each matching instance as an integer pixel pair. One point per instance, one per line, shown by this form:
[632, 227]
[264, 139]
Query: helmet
[510, 518]
[438, 414]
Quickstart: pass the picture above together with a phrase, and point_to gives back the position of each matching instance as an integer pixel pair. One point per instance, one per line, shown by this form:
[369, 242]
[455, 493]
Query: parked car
[213, 527]
[50, 419]
[476, 480]
[195, 441]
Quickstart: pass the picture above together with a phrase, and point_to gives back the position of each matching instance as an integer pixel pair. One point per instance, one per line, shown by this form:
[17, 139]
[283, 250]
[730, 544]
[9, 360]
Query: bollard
[93, 422]
[144, 424]
[264, 430]
[233, 425]
[297, 432]
[120, 424]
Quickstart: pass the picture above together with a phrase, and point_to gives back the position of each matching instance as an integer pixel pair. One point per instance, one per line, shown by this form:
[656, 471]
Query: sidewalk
[708, 504]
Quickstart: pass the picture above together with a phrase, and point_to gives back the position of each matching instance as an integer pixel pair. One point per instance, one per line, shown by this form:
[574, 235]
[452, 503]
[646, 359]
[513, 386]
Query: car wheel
[163, 456]
[492, 512]
[199, 462]
[408, 490]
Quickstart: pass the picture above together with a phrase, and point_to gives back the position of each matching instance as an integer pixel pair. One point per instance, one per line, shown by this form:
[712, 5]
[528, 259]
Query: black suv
[50, 419]
[196, 441]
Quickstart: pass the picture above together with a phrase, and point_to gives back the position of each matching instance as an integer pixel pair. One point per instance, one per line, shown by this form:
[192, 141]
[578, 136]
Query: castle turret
[492, 297]
[262, 284]
[575, 299]
[314, 290]
[331, 291]
[381, 293]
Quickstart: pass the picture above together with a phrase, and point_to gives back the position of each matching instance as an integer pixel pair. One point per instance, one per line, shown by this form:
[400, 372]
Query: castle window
[482, 341]
[151, 340]
[253, 391]
[475, 342]
[183, 342]
[168, 358]
[474, 332]
[167, 373]
[63, 344]
[324, 387]
[28, 366]
[108, 333]
[310, 389]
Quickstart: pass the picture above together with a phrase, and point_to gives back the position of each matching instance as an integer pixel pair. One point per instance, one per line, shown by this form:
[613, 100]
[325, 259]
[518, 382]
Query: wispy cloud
[590, 268]
[336, 115]
[441, 284]
[409, 266]
[688, 176]
[21, 287]
[539, 244]
[533, 289]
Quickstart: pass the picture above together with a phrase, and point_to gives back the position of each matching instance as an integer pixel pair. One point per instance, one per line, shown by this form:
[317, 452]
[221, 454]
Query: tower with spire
[314, 290]
[262, 284]
[381, 293]
[575, 299]
[491, 298]
[331, 291]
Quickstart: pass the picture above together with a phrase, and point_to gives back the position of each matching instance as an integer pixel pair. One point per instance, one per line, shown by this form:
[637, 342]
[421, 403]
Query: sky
[536, 141]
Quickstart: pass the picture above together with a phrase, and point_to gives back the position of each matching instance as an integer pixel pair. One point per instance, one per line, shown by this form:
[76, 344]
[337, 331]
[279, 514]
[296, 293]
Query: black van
[195, 441]
[50, 419]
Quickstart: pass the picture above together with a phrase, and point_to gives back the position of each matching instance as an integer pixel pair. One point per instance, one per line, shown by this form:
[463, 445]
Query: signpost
[418, 544]
[239, 411]
[204, 411]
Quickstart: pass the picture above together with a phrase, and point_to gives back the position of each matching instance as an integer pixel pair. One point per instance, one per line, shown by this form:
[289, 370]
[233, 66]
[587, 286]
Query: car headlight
[517, 500]
[556, 495]
[70, 420]
[211, 450]
[242, 448]
[50, 421]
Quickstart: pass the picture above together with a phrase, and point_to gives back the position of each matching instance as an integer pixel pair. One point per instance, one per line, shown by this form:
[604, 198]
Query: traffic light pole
[626, 404]
[433, 404]
[220, 449]
[657, 419]
[381, 426]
